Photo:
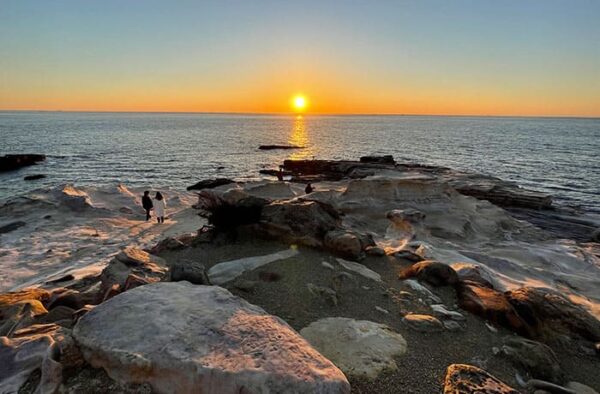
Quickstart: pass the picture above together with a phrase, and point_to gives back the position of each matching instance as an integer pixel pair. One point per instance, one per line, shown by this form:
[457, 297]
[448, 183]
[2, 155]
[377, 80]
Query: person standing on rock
[309, 189]
[147, 204]
[159, 207]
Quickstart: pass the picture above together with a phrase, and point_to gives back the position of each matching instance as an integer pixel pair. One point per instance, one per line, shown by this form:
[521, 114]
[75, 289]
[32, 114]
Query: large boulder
[297, 221]
[357, 347]
[549, 313]
[343, 243]
[182, 338]
[467, 379]
[536, 359]
[491, 305]
[432, 272]
[132, 262]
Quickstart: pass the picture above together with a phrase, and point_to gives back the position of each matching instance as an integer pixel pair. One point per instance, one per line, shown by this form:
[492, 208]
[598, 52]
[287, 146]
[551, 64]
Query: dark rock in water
[210, 183]
[432, 272]
[491, 305]
[465, 379]
[537, 359]
[549, 314]
[272, 147]
[14, 162]
[503, 194]
[387, 159]
[34, 177]
[275, 172]
[191, 271]
[11, 227]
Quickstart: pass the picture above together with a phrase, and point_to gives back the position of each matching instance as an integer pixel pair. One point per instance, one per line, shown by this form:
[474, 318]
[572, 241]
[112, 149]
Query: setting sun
[299, 103]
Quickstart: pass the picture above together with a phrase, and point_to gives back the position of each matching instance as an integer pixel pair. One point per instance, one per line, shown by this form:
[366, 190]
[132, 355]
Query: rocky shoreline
[387, 278]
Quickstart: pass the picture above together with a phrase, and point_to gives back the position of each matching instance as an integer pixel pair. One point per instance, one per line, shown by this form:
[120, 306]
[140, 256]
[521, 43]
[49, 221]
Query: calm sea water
[557, 156]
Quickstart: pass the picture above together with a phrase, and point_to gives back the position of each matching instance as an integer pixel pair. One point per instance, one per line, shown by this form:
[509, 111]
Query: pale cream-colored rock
[423, 323]
[360, 269]
[357, 347]
[184, 338]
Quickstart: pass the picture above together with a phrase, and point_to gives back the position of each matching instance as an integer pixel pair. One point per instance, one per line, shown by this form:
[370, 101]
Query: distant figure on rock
[147, 204]
[280, 174]
[309, 189]
[159, 207]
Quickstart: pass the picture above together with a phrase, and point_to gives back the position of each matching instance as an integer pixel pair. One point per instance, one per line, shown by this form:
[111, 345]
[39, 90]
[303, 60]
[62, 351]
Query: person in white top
[160, 207]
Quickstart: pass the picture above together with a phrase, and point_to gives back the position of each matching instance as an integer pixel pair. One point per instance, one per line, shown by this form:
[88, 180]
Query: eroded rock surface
[467, 379]
[180, 337]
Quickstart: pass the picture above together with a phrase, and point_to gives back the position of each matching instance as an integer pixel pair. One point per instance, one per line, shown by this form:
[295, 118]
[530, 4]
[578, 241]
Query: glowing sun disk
[299, 103]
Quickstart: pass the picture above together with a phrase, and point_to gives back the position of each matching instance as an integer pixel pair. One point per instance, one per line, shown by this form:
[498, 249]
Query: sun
[299, 103]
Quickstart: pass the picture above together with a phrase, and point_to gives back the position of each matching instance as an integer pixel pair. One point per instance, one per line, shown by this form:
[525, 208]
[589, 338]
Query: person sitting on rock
[309, 189]
[160, 207]
[147, 204]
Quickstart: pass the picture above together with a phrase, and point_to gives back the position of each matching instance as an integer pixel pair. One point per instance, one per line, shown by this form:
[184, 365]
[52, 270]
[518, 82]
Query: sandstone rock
[70, 298]
[245, 285]
[192, 271]
[169, 243]
[474, 273]
[408, 255]
[60, 315]
[537, 359]
[424, 291]
[549, 313]
[432, 272]
[360, 269]
[467, 379]
[375, 251]
[422, 323]
[399, 216]
[451, 325]
[491, 305]
[440, 311]
[24, 353]
[326, 293]
[296, 221]
[343, 243]
[210, 183]
[357, 347]
[180, 337]
[227, 271]
[132, 261]
[19, 315]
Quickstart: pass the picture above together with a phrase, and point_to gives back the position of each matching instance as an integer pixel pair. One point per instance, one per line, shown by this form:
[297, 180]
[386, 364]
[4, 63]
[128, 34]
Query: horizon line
[298, 114]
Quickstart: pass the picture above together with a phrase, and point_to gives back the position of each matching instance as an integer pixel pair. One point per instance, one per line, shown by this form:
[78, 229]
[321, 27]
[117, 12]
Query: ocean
[559, 156]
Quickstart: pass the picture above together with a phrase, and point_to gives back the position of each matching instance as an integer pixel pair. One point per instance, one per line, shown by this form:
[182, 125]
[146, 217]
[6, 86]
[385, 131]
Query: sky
[362, 57]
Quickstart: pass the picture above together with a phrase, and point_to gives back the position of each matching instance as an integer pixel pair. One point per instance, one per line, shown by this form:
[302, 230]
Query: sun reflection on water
[299, 137]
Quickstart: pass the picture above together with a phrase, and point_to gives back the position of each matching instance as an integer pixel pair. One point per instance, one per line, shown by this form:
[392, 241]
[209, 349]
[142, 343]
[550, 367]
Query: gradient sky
[415, 57]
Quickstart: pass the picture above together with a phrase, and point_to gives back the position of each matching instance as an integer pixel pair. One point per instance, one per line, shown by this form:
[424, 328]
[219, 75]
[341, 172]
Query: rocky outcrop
[179, 337]
[357, 347]
[297, 221]
[467, 379]
[210, 183]
[227, 271]
[191, 271]
[14, 162]
[432, 272]
[549, 314]
[536, 359]
[386, 159]
[45, 347]
[491, 305]
[131, 267]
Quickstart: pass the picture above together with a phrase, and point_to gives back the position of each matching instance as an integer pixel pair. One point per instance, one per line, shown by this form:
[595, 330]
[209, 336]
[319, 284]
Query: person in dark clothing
[309, 189]
[147, 204]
